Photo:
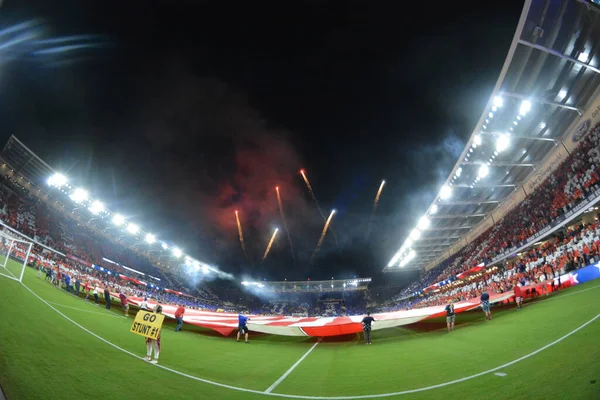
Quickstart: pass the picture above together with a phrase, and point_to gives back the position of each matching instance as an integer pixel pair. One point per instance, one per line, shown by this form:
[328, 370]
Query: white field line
[293, 367]
[291, 396]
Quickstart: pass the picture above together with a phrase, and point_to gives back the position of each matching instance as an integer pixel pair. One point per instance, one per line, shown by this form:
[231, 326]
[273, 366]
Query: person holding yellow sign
[153, 343]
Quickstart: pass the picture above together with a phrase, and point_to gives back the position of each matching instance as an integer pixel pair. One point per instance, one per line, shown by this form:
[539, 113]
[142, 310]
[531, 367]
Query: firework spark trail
[312, 194]
[270, 244]
[285, 226]
[320, 243]
[241, 234]
[375, 204]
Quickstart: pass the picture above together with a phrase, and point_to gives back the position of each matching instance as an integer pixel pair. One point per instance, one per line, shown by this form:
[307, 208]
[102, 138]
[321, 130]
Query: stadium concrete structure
[545, 101]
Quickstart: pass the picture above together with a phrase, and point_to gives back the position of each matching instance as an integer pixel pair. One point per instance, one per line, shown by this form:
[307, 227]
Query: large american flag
[225, 323]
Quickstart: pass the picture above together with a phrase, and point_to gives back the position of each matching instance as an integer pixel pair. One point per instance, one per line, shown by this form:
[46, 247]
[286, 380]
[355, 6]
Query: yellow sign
[147, 324]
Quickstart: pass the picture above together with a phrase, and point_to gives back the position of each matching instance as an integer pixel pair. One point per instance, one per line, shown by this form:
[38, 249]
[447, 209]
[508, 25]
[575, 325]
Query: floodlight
[498, 101]
[177, 252]
[408, 242]
[118, 219]
[525, 107]
[165, 246]
[434, 209]
[424, 223]
[133, 229]
[502, 143]
[150, 238]
[57, 180]
[483, 171]
[205, 269]
[415, 234]
[79, 195]
[97, 207]
[477, 140]
[445, 192]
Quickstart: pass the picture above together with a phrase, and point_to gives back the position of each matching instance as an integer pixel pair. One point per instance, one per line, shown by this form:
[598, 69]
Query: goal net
[14, 253]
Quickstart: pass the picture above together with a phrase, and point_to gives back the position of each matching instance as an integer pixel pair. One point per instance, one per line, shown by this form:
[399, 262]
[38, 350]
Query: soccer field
[64, 347]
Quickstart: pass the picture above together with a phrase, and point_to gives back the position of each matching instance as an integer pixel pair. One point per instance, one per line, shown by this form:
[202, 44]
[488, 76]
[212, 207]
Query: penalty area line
[293, 367]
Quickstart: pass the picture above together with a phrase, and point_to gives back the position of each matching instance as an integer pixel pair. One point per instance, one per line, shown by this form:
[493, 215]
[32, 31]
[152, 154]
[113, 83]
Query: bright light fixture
[498, 101]
[79, 195]
[477, 140]
[434, 209]
[177, 253]
[542, 125]
[57, 180]
[408, 242]
[150, 238]
[483, 171]
[133, 229]
[118, 219]
[424, 223]
[97, 207]
[562, 94]
[583, 56]
[165, 246]
[415, 234]
[525, 107]
[502, 143]
[445, 192]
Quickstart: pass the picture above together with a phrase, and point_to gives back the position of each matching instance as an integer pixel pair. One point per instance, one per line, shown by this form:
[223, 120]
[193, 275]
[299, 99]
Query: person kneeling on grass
[485, 304]
[450, 316]
[242, 327]
[153, 343]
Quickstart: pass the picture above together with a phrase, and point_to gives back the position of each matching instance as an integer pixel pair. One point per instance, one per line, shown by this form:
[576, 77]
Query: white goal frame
[14, 246]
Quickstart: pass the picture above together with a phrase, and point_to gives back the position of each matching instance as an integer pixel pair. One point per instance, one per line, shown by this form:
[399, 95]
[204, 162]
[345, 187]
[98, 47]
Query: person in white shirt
[144, 305]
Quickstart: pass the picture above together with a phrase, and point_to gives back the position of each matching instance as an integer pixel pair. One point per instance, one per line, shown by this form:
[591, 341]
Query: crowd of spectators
[574, 179]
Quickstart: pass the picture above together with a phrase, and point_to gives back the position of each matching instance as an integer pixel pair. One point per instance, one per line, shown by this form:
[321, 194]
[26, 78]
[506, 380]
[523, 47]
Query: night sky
[180, 112]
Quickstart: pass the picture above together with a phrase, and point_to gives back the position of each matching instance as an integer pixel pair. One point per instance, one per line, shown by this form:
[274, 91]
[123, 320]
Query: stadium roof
[91, 211]
[550, 77]
[333, 285]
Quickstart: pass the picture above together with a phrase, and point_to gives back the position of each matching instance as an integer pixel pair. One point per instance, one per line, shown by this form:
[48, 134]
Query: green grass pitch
[44, 355]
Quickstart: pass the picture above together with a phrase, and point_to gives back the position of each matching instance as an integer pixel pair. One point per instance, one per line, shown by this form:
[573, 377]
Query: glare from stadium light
[477, 140]
[445, 192]
[133, 228]
[542, 125]
[79, 195]
[434, 209]
[118, 220]
[491, 115]
[498, 101]
[583, 56]
[205, 269]
[459, 171]
[424, 223]
[525, 107]
[57, 180]
[164, 246]
[177, 252]
[408, 242]
[150, 238]
[97, 207]
[502, 143]
[415, 234]
[562, 94]
[483, 171]
[188, 260]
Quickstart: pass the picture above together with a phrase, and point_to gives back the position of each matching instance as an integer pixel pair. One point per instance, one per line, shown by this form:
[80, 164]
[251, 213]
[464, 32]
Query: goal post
[14, 253]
